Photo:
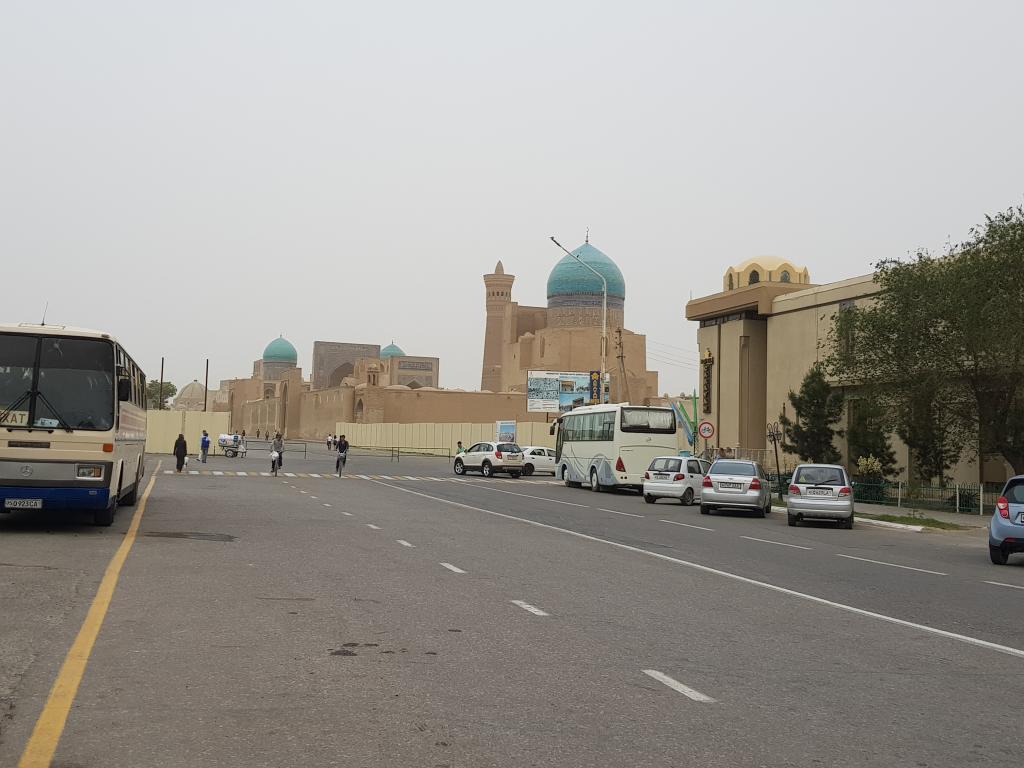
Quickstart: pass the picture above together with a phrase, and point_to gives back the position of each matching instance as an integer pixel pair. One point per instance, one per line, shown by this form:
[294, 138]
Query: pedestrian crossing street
[327, 476]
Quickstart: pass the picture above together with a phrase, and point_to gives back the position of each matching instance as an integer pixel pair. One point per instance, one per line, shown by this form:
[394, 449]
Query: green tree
[153, 394]
[817, 408]
[868, 435]
[939, 346]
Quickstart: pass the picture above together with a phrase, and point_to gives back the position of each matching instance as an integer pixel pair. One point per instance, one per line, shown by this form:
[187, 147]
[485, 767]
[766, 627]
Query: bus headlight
[89, 471]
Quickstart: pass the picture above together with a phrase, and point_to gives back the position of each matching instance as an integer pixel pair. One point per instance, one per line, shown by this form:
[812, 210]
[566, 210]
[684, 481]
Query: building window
[730, 281]
[785, 276]
[755, 277]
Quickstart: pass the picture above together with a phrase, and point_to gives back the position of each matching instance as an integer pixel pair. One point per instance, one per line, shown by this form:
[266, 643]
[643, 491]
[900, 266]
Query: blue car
[1006, 533]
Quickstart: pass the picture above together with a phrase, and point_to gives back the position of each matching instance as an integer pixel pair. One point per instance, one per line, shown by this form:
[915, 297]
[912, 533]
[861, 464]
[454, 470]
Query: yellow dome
[764, 269]
[766, 262]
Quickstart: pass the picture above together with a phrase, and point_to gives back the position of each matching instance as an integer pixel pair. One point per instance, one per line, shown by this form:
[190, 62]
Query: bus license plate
[23, 503]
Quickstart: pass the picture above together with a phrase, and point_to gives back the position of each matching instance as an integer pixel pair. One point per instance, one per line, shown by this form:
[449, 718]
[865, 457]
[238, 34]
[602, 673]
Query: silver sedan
[736, 484]
[822, 492]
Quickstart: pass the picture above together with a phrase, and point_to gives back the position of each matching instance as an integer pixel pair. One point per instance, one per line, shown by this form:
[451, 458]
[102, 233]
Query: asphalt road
[402, 617]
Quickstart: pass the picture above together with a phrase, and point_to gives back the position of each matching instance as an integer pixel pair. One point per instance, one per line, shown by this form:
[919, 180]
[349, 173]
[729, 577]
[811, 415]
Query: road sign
[706, 430]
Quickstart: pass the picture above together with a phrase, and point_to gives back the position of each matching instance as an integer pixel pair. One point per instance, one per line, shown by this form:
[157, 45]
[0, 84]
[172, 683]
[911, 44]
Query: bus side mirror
[124, 390]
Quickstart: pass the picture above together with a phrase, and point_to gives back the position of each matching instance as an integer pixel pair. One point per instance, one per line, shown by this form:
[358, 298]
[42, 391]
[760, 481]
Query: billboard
[505, 431]
[561, 391]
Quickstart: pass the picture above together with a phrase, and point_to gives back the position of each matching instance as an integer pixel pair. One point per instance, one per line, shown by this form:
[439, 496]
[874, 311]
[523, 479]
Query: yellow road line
[46, 735]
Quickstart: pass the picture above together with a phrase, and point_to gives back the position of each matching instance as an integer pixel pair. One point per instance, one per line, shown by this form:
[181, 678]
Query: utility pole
[206, 383]
[622, 364]
[160, 402]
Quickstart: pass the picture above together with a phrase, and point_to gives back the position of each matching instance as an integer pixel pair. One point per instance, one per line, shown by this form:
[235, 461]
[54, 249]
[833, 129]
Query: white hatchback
[675, 477]
[537, 459]
[490, 458]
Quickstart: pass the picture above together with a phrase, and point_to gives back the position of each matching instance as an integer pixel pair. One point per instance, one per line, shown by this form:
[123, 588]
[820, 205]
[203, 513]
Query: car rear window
[819, 476]
[665, 465]
[509, 448]
[733, 468]
[1014, 492]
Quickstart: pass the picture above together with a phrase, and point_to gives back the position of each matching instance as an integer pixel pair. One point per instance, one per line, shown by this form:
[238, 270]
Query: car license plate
[819, 491]
[661, 476]
[23, 503]
[736, 486]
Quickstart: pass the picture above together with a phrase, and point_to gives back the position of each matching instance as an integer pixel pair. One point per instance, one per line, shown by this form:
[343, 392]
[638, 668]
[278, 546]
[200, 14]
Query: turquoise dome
[391, 350]
[280, 350]
[569, 277]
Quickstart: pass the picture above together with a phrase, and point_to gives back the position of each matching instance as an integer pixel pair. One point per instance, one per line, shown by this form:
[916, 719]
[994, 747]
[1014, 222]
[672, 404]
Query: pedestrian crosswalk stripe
[289, 474]
[313, 474]
[393, 478]
[242, 474]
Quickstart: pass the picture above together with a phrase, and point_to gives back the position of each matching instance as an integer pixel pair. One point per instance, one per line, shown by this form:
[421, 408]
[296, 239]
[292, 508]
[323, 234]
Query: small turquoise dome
[569, 277]
[391, 350]
[280, 350]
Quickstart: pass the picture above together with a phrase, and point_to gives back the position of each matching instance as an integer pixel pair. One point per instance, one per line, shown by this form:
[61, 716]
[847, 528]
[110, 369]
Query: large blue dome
[569, 277]
[280, 350]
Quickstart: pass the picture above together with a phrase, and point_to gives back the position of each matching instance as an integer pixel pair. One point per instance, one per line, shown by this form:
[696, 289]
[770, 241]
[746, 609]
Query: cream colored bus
[72, 421]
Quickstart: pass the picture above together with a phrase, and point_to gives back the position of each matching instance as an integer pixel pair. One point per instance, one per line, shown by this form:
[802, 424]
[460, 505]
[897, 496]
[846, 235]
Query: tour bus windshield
[657, 420]
[75, 382]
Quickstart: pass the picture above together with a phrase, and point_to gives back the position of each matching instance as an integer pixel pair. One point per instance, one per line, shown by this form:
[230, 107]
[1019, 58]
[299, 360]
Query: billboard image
[560, 391]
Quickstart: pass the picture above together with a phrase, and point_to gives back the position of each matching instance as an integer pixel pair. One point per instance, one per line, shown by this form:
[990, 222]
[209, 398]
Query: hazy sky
[199, 177]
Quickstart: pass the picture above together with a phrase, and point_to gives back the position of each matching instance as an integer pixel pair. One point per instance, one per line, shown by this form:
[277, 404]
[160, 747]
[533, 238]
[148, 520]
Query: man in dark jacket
[342, 455]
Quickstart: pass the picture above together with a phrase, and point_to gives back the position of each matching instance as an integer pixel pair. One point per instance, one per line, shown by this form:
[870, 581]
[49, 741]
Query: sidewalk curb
[870, 521]
[887, 524]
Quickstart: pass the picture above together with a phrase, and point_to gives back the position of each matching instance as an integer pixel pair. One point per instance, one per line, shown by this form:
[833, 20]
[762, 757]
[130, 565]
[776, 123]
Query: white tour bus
[611, 446]
[72, 421]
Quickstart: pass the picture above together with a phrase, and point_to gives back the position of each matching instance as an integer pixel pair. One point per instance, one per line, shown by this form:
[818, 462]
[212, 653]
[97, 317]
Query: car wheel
[105, 517]
[705, 509]
[528, 470]
[791, 519]
[460, 467]
[649, 499]
[848, 523]
[688, 497]
[998, 555]
[514, 475]
[595, 484]
[487, 470]
[766, 509]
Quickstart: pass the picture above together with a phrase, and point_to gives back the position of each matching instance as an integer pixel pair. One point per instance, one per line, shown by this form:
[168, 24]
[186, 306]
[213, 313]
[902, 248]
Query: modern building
[759, 337]
[566, 334]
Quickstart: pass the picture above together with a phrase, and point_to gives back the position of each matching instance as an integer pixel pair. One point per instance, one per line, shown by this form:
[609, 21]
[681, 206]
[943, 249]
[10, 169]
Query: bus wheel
[105, 517]
[595, 484]
[565, 478]
[130, 498]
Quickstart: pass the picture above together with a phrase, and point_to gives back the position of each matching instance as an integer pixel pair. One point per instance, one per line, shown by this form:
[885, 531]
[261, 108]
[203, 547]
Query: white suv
[538, 459]
[488, 458]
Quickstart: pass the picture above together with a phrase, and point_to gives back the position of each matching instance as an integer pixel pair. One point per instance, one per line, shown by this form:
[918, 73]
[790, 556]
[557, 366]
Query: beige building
[759, 337]
[566, 334]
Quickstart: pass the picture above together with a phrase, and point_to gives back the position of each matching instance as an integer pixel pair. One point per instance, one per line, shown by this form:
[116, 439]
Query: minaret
[499, 296]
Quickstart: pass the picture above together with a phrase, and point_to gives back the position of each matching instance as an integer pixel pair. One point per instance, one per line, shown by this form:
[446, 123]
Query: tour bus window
[655, 420]
[17, 362]
[76, 384]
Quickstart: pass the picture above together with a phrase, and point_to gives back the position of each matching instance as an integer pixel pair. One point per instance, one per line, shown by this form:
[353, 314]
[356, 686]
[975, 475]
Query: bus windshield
[73, 387]
[656, 420]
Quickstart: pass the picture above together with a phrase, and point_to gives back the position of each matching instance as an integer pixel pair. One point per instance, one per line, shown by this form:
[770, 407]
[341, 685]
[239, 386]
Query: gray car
[820, 492]
[736, 484]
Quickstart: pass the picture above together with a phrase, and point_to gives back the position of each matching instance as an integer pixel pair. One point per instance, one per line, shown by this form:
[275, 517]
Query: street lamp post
[604, 312]
[774, 434]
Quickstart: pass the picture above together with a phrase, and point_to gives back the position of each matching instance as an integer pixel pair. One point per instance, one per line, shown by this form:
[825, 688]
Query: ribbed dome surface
[569, 277]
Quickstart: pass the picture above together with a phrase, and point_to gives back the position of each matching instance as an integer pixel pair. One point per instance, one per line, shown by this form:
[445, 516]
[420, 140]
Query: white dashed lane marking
[374, 527]
[452, 568]
[1000, 584]
[616, 512]
[687, 525]
[531, 608]
[403, 542]
[893, 565]
[675, 685]
[777, 543]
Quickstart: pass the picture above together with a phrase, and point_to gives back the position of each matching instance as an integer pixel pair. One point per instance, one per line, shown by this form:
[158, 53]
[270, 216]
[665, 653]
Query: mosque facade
[565, 335]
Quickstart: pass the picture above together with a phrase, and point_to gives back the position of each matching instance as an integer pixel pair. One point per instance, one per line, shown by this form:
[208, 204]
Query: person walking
[257, 433]
[328, 442]
[278, 445]
[180, 451]
[342, 455]
[204, 445]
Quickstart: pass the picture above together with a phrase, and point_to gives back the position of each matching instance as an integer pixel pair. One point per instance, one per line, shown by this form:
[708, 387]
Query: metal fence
[964, 498]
